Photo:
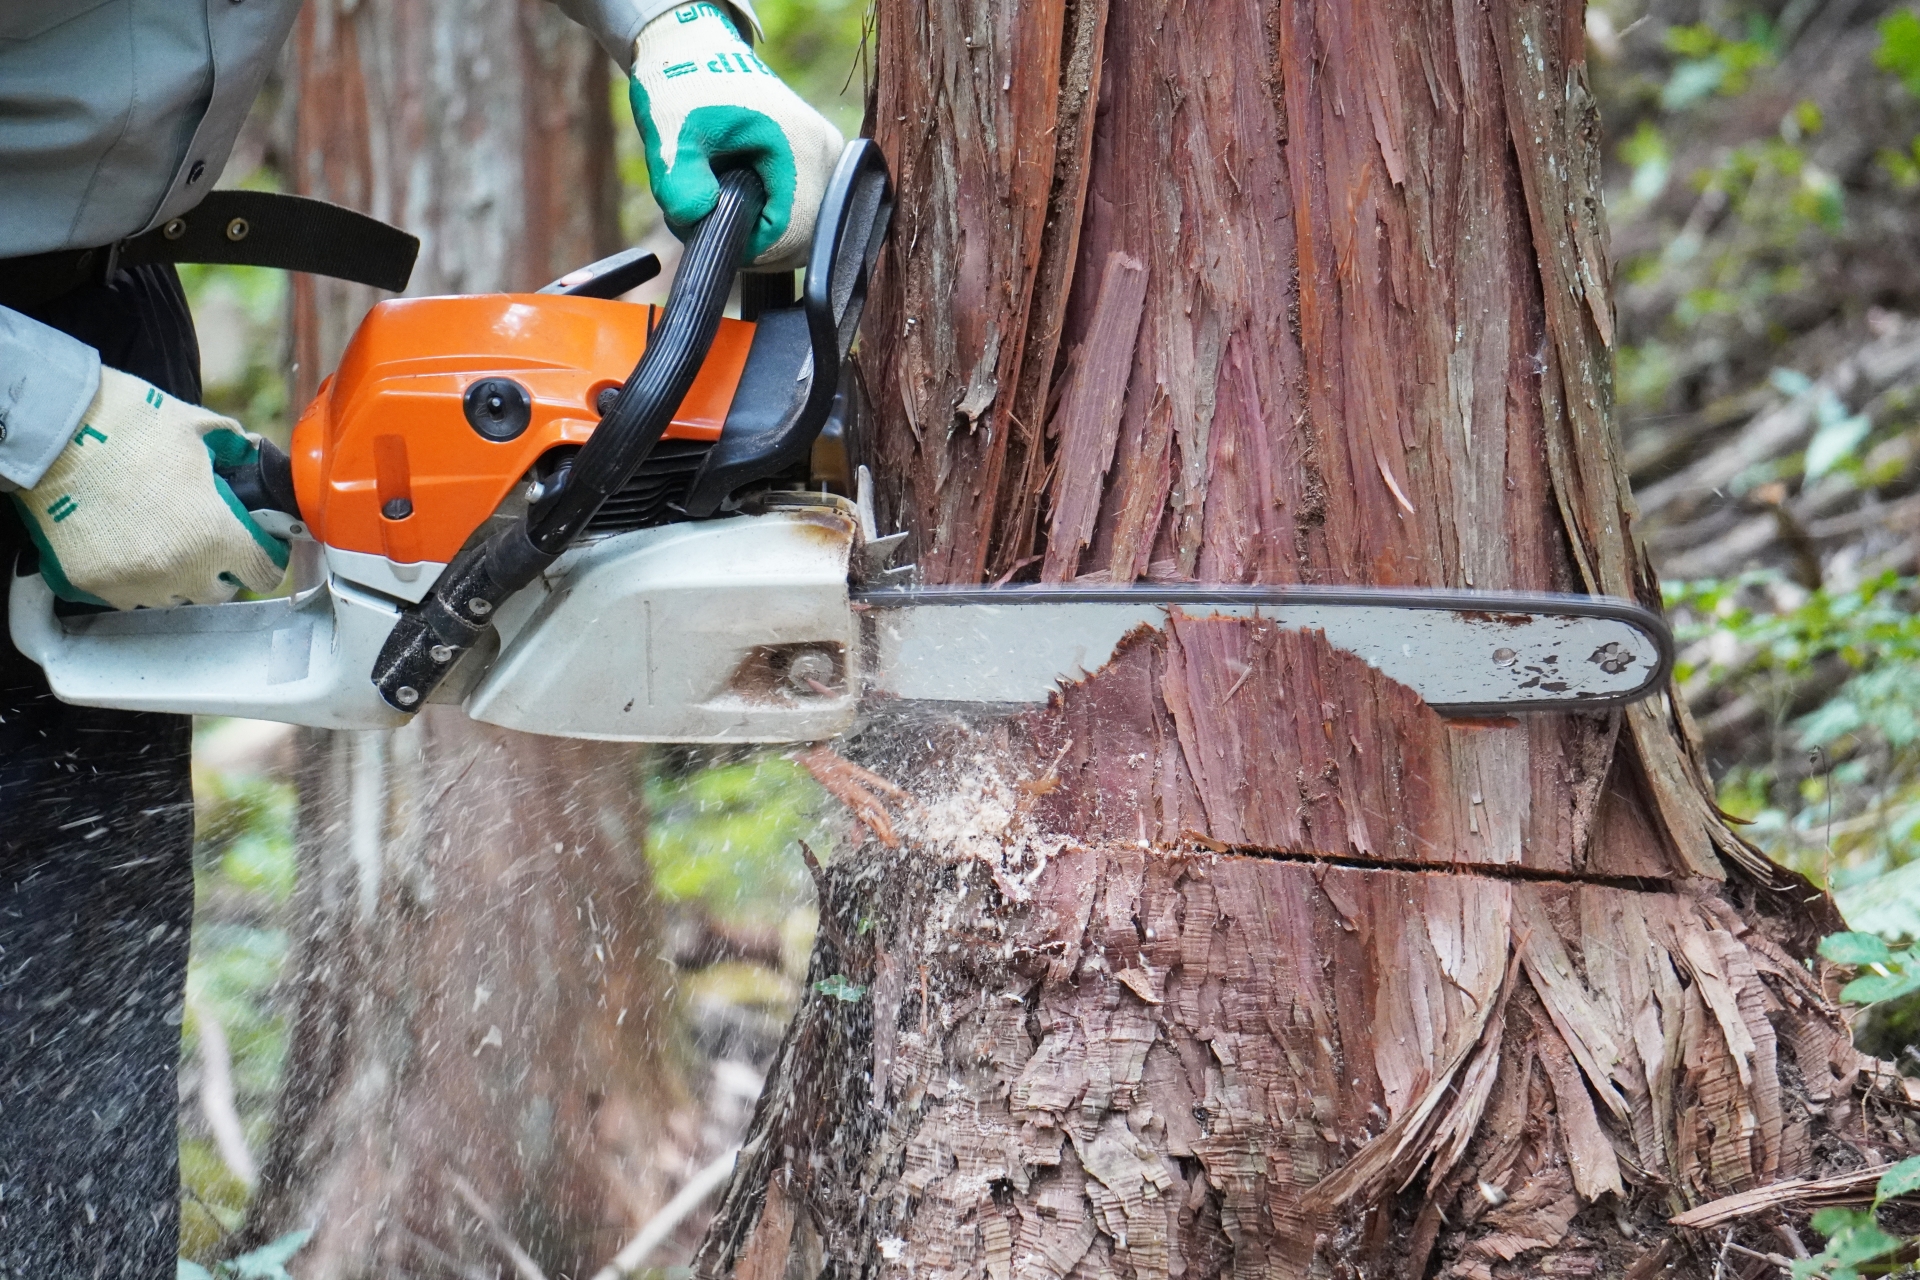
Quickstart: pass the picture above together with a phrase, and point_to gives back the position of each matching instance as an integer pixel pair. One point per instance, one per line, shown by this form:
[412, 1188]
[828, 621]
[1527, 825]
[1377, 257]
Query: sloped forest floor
[1764, 198]
[1767, 260]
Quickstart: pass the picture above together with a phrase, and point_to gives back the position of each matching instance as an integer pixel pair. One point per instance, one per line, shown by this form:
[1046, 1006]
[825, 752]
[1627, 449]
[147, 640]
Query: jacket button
[196, 172]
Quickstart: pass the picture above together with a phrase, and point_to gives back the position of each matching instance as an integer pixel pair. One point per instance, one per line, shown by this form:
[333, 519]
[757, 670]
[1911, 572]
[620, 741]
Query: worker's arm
[115, 484]
[47, 380]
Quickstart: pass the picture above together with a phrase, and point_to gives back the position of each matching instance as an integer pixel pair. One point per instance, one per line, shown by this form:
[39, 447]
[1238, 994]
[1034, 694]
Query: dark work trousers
[96, 899]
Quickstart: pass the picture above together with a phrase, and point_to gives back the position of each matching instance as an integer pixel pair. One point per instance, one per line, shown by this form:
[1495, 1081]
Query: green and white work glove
[702, 97]
[131, 512]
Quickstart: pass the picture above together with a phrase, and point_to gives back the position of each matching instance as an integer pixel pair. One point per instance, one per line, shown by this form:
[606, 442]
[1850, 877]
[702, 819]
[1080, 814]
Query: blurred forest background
[1764, 198]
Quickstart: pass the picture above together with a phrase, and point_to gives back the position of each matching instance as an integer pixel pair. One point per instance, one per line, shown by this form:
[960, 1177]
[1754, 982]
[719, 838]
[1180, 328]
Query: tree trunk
[1238, 958]
[478, 1076]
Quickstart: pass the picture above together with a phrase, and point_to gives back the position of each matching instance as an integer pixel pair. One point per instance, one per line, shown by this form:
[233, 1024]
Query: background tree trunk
[478, 1076]
[1238, 958]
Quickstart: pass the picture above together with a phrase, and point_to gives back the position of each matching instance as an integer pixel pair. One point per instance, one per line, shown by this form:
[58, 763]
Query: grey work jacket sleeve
[616, 23]
[47, 380]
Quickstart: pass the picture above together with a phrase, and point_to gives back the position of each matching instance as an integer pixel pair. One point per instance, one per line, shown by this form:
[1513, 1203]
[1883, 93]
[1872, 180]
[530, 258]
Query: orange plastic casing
[390, 422]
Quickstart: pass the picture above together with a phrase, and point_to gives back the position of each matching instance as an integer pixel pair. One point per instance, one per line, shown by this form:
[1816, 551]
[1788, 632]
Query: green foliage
[268, 1262]
[1854, 1236]
[1837, 432]
[1713, 64]
[1652, 160]
[727, 836]
[244, 867]
[240, 314]
[1733, 226]
[1892, 974]
[1868, 624]
[1865, 787]
[1901, 167]
[1899, 48]
[840, 987]
[1899, 52]
[819, 47]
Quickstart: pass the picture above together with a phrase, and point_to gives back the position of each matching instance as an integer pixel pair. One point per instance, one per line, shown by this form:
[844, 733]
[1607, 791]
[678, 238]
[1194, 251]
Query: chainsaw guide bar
[1466, 653]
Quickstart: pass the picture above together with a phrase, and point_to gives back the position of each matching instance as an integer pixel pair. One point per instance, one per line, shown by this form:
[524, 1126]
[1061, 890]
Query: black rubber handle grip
[265, 483]
[650, 398]
[430, 636]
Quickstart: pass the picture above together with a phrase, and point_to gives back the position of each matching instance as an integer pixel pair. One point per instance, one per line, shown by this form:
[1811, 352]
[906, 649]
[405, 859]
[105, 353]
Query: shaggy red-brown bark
[1238, 958]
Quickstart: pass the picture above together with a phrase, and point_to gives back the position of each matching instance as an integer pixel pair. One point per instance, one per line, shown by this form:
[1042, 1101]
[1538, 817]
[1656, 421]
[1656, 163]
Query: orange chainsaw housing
[390, 422]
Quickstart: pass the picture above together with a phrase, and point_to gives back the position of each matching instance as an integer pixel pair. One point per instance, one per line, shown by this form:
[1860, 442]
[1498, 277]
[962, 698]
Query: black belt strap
[238, 228]
[294, 233]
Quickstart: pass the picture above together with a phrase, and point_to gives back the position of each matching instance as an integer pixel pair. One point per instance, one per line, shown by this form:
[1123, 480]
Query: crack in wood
[1484, 870]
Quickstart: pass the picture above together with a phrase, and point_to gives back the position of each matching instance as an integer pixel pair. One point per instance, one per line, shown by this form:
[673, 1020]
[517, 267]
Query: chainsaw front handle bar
[432, 635]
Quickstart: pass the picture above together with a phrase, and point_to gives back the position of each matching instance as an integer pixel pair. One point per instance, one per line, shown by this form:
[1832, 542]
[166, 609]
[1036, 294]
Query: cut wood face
[1326, 758]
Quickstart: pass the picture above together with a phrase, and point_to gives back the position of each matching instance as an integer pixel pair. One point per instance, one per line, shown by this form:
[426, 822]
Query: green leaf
[1790, 382]
[1876, 988]
[269, 1261]
[1692, 81]
[840, 987]
[1903, 1179]
[1855, 948]
[1853, 1237]
[1899, 49]
[1834, 443]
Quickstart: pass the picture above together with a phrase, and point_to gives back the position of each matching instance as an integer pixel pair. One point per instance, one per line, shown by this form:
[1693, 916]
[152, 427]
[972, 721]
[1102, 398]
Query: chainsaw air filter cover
[394, 422]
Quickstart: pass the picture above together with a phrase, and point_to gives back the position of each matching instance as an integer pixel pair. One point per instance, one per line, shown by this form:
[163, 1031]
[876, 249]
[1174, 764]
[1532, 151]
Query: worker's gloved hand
[131, 512]
[701, 97]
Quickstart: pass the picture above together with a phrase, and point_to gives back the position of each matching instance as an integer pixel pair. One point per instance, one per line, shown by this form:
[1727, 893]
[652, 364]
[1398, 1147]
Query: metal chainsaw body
[494, 512]
[744, 629]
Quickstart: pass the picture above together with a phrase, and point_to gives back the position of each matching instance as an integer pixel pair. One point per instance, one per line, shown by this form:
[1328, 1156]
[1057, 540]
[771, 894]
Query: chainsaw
[583, 517]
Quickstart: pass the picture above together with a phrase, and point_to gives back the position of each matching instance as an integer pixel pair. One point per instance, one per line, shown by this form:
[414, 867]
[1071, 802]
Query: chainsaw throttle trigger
[429, 637]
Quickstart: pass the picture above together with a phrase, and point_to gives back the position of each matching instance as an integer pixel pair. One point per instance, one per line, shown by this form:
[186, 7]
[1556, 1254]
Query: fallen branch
[496, 1230]
[654, 1234]
[1799, 1193]
[216, 1093]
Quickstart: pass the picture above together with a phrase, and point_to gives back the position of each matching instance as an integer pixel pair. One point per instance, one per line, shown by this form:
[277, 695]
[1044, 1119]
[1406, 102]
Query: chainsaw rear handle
[265, 482]
[432, 635]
